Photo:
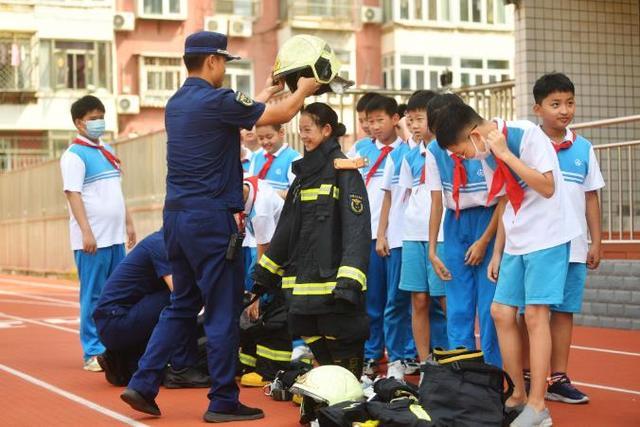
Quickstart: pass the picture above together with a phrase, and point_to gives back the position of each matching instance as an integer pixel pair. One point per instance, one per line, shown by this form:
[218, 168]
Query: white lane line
[597, 349]
[73, 397]
[36, 322]
[46, 304]
[604, 350]
[39, 298]
[37, 284]
[604, 387]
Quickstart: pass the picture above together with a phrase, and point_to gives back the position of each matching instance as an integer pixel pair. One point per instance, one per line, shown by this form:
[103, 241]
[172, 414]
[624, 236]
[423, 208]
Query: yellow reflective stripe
[311, 194]
[271, 354]
[245, 359]
[288, 282]
[474, 355]
[309, 340]
[354, 274]
[271, 266]
[419, 412]
[313, 288]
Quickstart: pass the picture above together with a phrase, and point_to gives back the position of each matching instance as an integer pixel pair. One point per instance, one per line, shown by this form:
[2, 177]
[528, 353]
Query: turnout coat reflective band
[320, 249]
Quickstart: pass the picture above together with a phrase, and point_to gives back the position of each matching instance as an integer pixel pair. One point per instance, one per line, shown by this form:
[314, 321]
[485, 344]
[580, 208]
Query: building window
[483, 11]
[16, 62]
[346, 71]
[162, 9]
[335, 9]
[421, 10]
[75, 65]
[160, 77]
[437, 66]
[244, 8]
[239, 77]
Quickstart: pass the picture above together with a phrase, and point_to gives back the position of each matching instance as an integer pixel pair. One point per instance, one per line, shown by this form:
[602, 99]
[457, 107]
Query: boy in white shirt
[417, 275]
[98, 217]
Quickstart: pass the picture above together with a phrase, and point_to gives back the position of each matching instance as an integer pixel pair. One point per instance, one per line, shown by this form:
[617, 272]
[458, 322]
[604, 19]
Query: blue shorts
[536, 278]
[573, 289]
[417, 274]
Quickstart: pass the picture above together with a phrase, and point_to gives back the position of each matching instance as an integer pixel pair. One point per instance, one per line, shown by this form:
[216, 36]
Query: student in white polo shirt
[417, 275]
[531, 254]
[555, 106]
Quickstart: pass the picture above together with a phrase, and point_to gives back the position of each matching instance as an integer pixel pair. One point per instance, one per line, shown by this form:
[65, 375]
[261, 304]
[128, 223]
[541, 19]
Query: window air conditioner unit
[240, 27]
[371, 15]
[218, 24]
[128, 104]
[124, 21]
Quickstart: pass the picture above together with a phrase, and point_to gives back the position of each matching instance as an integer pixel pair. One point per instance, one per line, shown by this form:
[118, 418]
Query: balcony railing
[330, 14]
[243, 8]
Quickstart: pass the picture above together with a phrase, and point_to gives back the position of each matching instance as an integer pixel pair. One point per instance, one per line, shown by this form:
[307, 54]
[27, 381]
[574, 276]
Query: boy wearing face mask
[98, 216]
[531, 253]
[469, 227]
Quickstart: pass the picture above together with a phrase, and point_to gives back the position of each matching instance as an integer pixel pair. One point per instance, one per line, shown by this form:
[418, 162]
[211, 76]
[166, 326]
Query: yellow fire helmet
[309, 56]
[329, 384]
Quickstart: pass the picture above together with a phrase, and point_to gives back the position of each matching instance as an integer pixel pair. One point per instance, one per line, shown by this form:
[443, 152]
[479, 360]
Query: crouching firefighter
[320, 250]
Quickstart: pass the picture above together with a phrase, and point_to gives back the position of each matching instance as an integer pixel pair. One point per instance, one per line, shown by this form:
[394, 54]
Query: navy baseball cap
[208, 43]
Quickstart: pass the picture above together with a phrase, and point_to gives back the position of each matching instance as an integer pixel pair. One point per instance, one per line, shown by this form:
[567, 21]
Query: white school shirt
[581, 173]
[263, 215]
[418, 206]
[85, 170]
[540, 223]
[391, 183]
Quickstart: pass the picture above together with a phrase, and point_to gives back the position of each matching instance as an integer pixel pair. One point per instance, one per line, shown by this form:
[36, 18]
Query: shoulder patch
[357, 203]
[244, 99]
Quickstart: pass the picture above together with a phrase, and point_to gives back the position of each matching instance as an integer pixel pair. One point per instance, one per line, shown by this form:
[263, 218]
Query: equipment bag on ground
[465, 393]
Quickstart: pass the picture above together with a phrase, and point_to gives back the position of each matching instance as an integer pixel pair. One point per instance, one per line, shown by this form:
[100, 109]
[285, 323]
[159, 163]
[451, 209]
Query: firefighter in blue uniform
[204, 191]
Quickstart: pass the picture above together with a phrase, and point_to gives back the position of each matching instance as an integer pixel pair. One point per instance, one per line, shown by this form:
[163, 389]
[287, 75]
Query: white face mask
[480, 155]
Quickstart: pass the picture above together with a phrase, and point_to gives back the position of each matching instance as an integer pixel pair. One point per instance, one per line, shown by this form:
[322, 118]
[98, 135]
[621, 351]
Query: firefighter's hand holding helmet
[309, 56]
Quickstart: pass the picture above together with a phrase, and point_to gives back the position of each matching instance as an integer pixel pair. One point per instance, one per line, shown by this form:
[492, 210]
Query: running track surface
[42, 382]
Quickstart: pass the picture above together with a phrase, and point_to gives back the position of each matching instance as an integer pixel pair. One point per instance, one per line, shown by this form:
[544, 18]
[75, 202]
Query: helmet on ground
[325, 386]
[309, 56]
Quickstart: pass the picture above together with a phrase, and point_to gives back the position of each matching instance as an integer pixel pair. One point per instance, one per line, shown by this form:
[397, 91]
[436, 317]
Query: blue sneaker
[561, 390]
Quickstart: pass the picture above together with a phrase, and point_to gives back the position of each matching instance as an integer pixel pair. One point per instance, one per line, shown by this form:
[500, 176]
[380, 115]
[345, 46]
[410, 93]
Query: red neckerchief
[567, 143]
[459, 180]
[265, 168]
[115, 162]
[503, 176]
[384, 152]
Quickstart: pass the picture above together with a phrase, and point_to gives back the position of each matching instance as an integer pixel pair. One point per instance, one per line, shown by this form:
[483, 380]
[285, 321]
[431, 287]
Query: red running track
[42, 382]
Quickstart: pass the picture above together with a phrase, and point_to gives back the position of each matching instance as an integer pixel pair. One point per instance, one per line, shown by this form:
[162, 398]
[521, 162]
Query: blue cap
[208, 43]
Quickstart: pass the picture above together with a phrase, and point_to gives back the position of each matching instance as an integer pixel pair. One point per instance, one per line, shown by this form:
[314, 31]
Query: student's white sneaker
[396, 370]
[92, 365]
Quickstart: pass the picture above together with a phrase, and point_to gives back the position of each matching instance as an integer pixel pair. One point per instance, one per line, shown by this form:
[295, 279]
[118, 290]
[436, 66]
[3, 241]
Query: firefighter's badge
[357, 204]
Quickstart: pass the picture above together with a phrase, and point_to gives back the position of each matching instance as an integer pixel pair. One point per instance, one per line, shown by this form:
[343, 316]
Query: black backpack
[465, 393]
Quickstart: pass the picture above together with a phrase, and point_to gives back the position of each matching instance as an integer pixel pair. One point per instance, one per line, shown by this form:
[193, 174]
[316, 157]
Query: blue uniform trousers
[93, 271]
[127, 331]
[438, 325]
[388, 308]
[470, 289]
[196, 241]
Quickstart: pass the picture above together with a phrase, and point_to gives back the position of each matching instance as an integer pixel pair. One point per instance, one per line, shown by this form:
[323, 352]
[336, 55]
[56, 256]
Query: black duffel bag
[463, 393]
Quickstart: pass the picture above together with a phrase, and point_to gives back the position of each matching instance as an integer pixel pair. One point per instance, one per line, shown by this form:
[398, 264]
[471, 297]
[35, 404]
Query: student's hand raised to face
[498, 144]
[440, 269]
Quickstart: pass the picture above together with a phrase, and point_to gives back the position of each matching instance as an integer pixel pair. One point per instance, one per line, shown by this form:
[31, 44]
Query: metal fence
[490, 100]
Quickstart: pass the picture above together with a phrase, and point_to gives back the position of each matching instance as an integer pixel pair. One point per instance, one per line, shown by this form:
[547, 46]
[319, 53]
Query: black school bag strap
[485, 375]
